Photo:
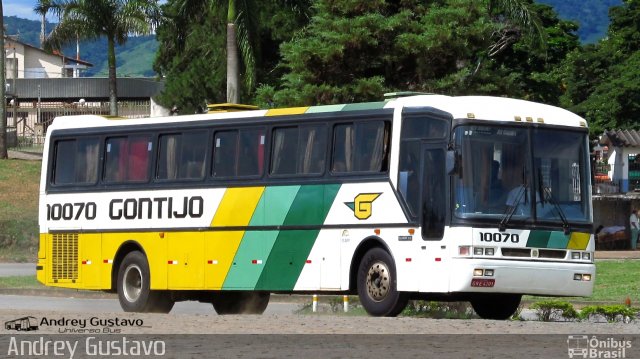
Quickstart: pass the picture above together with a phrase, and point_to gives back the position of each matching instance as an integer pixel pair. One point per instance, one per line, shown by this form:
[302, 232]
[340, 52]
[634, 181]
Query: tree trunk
[3, 90]
[233, 73]
[113, 88]
[42, 31]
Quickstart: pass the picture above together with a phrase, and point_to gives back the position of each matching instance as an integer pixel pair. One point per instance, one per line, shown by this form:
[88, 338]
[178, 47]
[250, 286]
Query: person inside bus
[496, 190]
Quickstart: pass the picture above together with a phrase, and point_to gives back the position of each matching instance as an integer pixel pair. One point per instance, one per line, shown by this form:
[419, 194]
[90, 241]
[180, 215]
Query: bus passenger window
[312, 149]
[225, 147]
[362, 147]
[127, 159]
[299, 150]
[251, 152]
[181, 156]
[285, 141]
[76, 161]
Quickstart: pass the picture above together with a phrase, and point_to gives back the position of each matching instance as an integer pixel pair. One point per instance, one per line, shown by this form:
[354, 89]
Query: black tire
[377, 283]
[229, 302]
[133, 289]
[496, 306]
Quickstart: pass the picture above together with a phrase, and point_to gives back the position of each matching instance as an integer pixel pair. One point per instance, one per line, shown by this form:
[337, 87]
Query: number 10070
[499, 237]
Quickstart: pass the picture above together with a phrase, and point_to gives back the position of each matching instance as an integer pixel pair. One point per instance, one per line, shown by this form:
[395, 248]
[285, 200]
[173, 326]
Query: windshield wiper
[547, 194]
[512, 209]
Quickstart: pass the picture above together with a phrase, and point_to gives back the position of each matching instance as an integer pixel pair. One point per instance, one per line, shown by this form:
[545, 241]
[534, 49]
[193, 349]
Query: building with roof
[24, 61]
[622, 157]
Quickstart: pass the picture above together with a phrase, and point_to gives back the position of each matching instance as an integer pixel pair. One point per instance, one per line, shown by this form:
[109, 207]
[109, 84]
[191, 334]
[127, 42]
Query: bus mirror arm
[452, 162]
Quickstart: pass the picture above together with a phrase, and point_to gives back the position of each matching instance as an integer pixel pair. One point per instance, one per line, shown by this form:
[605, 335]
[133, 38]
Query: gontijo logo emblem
[362, 205]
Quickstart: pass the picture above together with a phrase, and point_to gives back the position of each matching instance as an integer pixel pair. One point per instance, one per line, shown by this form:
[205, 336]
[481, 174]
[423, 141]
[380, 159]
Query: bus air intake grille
[516, 252]
[554, 254]
[64, 264]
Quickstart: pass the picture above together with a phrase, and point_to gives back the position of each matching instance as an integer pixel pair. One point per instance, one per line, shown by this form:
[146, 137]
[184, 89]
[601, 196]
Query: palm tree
[92, 19]
[241, 29]
[519, 20]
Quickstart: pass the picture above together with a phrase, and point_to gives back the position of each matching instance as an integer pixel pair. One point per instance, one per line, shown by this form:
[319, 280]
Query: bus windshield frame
[522, 176]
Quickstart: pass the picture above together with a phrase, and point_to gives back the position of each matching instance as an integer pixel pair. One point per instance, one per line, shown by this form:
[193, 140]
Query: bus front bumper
[523, 277]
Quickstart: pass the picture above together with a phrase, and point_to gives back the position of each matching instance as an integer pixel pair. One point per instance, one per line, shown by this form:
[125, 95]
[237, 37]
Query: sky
[20, 8]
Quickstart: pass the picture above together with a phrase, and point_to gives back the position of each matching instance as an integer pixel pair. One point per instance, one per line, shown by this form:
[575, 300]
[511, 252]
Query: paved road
[86, 305]
[17, 269]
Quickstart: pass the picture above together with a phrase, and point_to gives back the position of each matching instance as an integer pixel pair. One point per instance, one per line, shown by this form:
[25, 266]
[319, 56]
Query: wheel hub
[132, 283]
[378, 284]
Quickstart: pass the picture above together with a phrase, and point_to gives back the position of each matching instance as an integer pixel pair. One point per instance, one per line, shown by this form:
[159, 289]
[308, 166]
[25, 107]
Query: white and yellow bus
[481, 199]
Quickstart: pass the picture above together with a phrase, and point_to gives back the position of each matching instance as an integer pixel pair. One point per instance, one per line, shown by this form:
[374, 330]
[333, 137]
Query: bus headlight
[478, 251]
[575, 255]
[489, 251]
[586, 256]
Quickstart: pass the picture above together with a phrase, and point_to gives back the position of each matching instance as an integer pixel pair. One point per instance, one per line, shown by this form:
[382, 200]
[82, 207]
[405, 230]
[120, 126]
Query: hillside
[135, 58]
[591, 15]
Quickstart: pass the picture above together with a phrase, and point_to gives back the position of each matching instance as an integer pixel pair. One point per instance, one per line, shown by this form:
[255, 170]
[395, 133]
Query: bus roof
[481, 108]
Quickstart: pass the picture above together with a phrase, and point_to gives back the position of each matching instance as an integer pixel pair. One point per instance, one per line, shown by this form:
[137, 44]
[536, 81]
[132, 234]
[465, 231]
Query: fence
[27, 122]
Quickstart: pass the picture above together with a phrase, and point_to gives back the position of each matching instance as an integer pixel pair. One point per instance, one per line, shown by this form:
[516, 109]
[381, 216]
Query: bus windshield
[525, 174]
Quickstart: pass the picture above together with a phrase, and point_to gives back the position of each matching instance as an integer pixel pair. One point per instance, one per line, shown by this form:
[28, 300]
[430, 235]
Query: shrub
[611, 312]
[549, 310]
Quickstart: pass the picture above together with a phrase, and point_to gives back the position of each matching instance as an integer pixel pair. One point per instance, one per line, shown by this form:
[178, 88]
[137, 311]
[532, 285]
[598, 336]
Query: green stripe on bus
[538, 239]
[364, 106]
[251, 257]
[291, 249]
[558, 240]
[327, 108]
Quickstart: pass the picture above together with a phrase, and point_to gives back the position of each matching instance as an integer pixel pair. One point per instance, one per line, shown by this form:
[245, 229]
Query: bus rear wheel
[134, 292]
[229, 302]
[377, 285]
[496, 306]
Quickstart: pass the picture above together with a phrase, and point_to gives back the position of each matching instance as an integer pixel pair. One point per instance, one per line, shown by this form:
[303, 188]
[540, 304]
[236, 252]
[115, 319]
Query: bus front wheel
[496, 306]
[134, 292]
[231, 302]
[377, 284]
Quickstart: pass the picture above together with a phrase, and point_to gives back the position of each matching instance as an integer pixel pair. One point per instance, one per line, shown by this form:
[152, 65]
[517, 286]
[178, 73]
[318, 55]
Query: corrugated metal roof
[621, 138]
[88, 88]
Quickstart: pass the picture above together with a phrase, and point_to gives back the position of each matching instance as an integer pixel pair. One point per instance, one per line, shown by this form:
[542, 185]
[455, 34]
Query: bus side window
[76, 161]
[312, 149]
[225, 148]
[360, 147]
[127, 159]
[251, 152]
[285, 141]
[181, 156]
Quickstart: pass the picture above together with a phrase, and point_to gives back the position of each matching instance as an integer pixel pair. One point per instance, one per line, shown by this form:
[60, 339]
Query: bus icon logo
[362, 205]
[578, 346]
[25, 324]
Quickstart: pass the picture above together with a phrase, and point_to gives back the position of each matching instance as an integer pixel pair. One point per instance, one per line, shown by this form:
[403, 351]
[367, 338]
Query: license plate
[483, 282]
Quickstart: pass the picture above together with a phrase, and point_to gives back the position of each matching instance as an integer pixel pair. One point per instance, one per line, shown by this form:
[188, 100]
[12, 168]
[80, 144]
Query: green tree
[355, 51]
[602, 79]
[191, 56]
[91, 19]
[240, 36]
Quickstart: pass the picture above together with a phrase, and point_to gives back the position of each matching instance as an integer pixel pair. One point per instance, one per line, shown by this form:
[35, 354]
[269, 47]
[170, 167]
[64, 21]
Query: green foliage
[550, 310]
[354, 53]
[601, 80]
[611, 312]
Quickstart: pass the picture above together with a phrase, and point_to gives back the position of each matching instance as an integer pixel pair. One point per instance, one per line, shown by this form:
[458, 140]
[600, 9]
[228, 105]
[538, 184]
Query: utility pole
[3, 90]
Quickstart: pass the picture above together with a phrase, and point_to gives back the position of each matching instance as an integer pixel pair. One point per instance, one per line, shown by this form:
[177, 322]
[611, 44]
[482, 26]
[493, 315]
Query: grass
[615, 281]
[19, 185]
[19, 282]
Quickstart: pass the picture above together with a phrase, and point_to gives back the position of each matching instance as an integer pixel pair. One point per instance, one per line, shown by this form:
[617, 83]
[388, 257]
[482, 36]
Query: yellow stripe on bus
[236, 208]
[578, 241]
[287, 111]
